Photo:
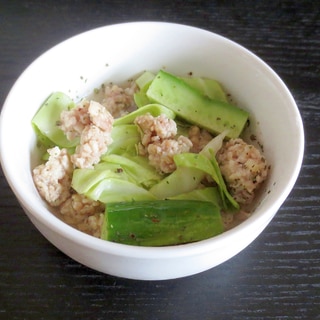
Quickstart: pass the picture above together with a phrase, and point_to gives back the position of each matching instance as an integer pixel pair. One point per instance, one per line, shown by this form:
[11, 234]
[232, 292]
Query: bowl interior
[118, 53]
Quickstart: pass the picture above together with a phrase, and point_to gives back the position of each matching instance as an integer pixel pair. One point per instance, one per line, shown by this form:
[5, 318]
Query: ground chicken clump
[119, 101]
[53, 178]
[73, 122]
[161, 153]
[155, 129]
[83, 213]
[244, 169]
[92, 122]
[159, 141]
[199, 138]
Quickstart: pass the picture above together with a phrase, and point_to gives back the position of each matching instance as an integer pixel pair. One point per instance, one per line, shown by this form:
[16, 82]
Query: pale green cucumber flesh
[189, 104]
[153, 109]
[208, 87]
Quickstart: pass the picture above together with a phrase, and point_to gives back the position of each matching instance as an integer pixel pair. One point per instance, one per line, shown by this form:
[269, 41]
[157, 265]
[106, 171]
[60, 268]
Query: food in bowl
[74, 68]
[158, 161]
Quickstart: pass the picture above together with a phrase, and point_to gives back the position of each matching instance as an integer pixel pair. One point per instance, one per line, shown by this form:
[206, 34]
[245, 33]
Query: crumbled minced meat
[159, 142]
[118, 100]
[53, 178]
[92, 225]
[83, 213]
[92, 122]
[161, 153]
[243, 167]
[199, 138]
[155, 128]
[73, 122]
[100, 116]
[93, 143]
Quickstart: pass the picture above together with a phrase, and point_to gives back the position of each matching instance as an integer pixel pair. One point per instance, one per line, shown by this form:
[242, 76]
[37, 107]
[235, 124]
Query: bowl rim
[52, 222]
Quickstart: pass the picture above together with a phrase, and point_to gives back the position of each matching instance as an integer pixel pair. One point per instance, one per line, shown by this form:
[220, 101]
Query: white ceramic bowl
[117, 53]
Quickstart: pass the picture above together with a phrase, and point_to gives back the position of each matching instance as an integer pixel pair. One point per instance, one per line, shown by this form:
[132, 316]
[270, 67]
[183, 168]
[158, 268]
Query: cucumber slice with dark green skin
[189, 104]
[161, 222]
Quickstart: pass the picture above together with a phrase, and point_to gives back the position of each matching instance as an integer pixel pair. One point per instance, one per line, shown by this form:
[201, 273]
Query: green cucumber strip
[214, 145]
[208, 87]
[234, 204]
[125, 139]
[194, 161]
[85, 179]
[48, 116]
[210, 167]
[137, 168]
[140, 99]
[120, 179]
[211, 194]
[154, 109]
[144, 80]
[118, 190]
[42, 139]
[161, 223]
[181, 180]
[189, 104]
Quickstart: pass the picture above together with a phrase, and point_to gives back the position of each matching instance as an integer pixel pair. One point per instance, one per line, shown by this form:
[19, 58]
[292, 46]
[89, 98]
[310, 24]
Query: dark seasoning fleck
[84, 79]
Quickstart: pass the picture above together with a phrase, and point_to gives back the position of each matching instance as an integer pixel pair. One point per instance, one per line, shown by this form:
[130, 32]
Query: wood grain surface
[276, 277]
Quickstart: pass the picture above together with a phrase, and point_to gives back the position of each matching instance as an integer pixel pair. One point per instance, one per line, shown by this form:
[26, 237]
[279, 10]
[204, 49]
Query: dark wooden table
[276, 277]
